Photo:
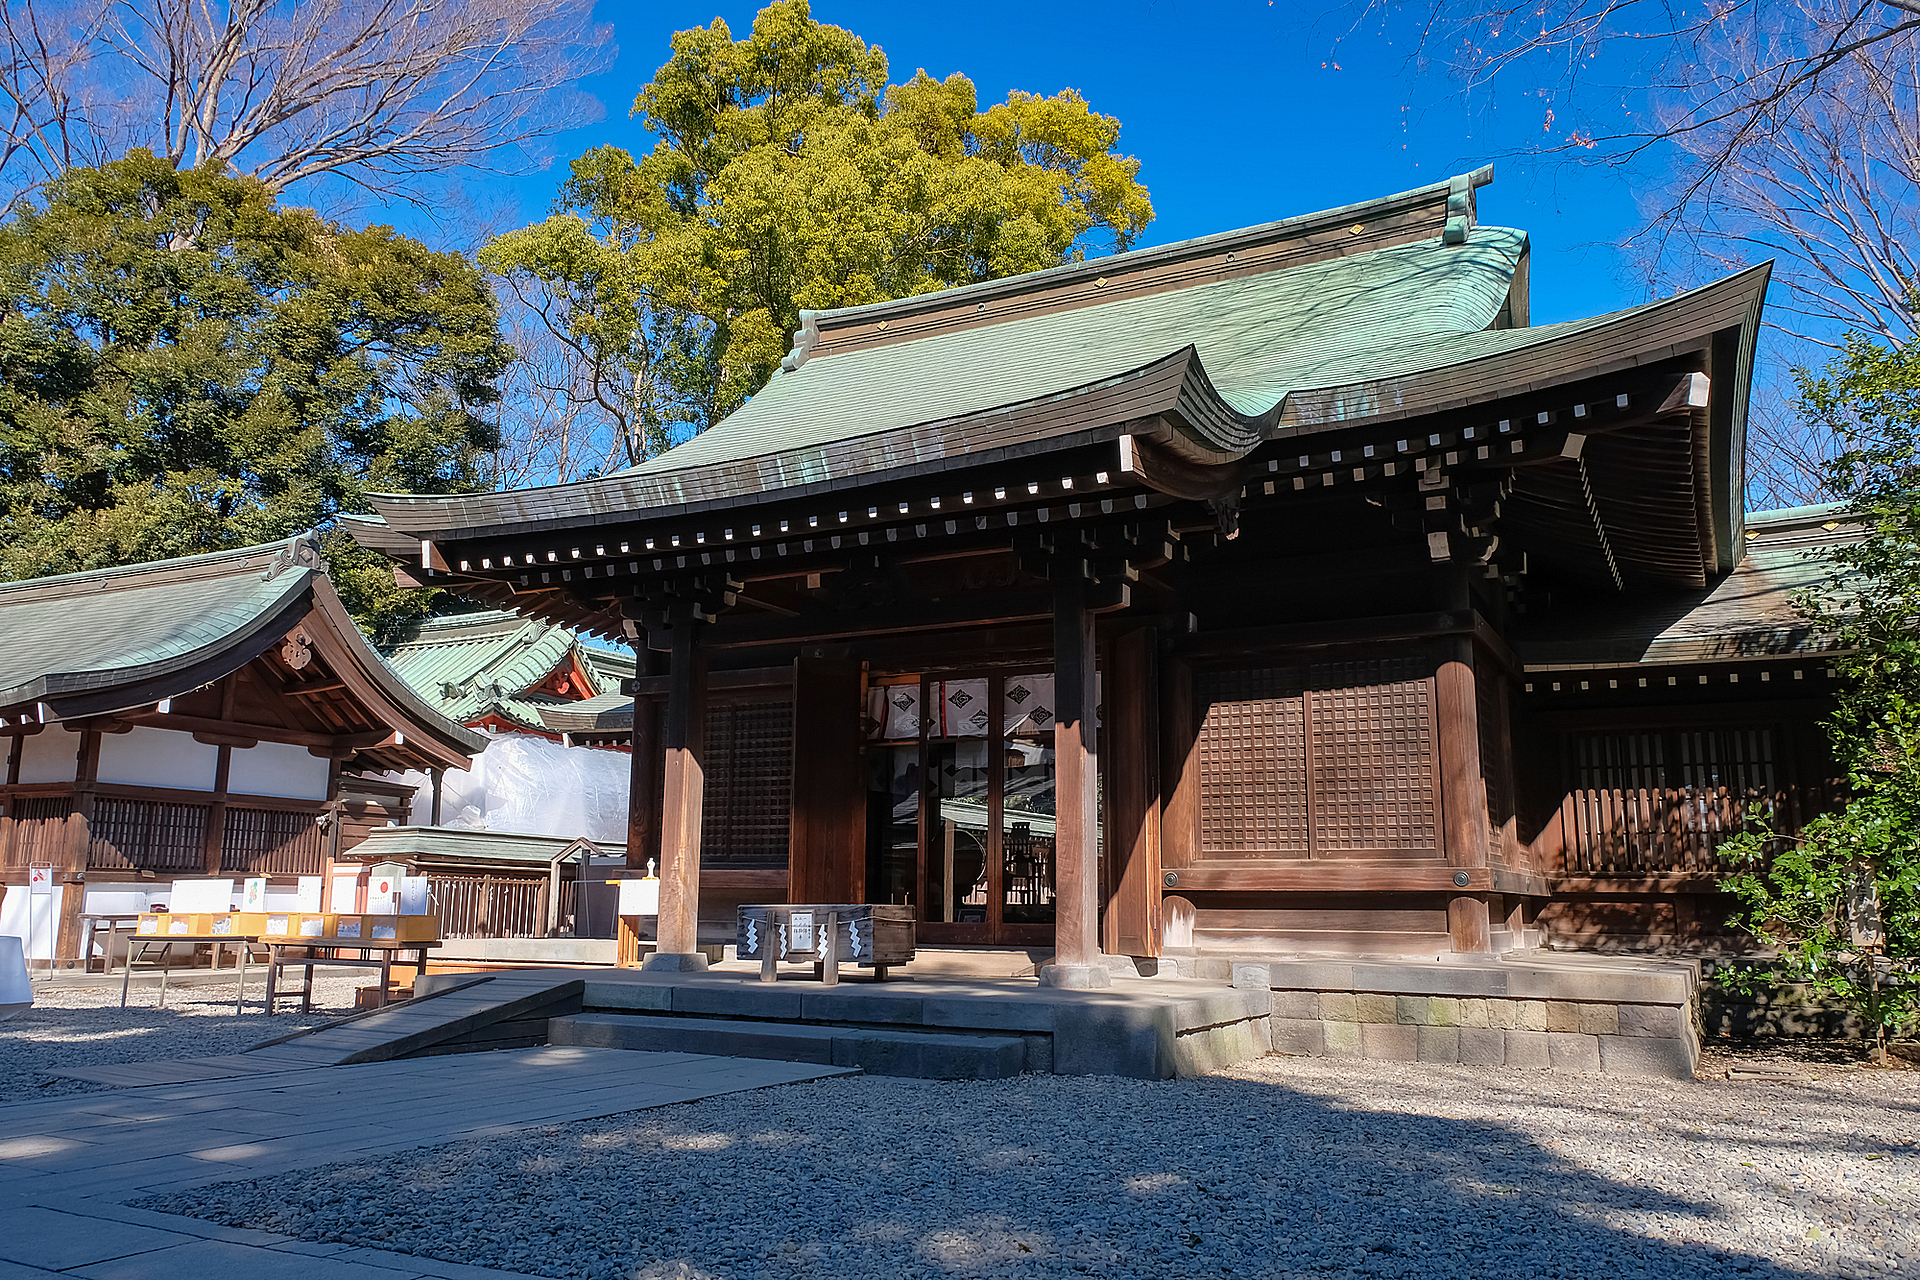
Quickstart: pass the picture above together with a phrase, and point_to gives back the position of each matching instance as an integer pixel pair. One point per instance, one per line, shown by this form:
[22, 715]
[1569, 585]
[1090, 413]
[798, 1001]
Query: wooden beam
[1463, 797]
[73, 893]
[238, 734]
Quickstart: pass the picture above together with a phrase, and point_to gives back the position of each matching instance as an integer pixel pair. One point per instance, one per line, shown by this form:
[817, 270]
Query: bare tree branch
[1781, 129]
[378, 92]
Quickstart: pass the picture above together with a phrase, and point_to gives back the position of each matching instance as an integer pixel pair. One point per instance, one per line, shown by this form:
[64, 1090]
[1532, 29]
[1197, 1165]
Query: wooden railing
[494, 906]
[1648, 831]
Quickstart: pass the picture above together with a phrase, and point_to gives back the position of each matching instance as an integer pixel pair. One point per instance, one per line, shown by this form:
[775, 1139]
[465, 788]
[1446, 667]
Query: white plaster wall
[51, 755]
[149, 757]
[277, 769]
[34, 918]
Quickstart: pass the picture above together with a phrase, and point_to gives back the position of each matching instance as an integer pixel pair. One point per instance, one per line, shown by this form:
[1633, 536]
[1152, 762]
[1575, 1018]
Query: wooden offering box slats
[877, 934]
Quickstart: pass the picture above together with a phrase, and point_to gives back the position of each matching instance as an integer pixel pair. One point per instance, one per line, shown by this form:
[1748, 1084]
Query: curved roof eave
[84, 691]
[455, 743]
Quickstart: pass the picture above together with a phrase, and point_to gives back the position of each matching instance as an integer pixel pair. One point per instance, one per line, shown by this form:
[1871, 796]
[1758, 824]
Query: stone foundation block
[1528, 1049]
[1473, 1013]
[1573, 1052]
[1444, 1011]
[1563, 1015]
[1376, 1008]
[1483, 1047]
[1392, 1042]
[1338, 1006]
[1532, 1015]
[1599, 1019]
[1253, 975]
[1672, 1057]
[1343, 1040]
[1438, 1044]
[1410, 1011]
[1297, 1004]
[1504, 1015]
[1650, 1020]
[1301, 1037]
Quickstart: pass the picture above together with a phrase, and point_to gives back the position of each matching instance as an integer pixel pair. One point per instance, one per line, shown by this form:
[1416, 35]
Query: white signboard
[414, 898]
[640, 897]
[254, 896]
[213, 897]
[346, 893]
[308, 896]
[40, 879]
[383, 896]
[802, 931]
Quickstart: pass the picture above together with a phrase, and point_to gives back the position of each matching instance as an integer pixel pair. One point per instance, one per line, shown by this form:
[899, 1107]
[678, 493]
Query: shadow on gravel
[1051, 1176]
[196, 1022]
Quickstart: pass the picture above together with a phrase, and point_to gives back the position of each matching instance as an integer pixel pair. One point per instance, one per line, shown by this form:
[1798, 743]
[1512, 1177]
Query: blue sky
[1236, 116]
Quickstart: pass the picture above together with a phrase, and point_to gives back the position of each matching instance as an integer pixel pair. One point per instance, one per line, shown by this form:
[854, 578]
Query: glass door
[960, 804]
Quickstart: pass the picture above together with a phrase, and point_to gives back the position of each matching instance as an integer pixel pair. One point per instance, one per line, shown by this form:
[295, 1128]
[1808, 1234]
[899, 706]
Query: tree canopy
[788, 174]
[1796, 892]
[185, 366]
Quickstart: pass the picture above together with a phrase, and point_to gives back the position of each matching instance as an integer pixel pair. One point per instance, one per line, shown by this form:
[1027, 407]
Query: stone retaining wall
[1590, 1014]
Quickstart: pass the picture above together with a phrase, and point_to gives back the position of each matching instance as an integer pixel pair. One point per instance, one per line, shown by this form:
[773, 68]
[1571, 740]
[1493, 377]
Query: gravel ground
[1286, 1167]
[84, 1026]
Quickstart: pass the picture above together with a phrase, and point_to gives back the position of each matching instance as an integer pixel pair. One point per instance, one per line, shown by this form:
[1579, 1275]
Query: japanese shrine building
[206, 716]
[1280, 590]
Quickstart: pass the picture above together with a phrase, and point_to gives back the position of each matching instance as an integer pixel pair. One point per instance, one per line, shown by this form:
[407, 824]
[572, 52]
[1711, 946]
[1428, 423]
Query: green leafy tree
[1795, 892]
[789, 175]
[185, 366]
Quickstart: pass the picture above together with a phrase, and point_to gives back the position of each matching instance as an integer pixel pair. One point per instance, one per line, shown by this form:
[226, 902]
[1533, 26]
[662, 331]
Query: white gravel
[1286, 1167]
[84, 1026]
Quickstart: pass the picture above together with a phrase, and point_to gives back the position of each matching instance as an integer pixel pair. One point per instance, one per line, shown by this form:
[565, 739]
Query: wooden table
[278, 959]
[113, 922]
[144, 941]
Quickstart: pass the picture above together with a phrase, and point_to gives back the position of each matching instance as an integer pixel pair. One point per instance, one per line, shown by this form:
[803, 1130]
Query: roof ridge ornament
[805, 339]
[302, 551]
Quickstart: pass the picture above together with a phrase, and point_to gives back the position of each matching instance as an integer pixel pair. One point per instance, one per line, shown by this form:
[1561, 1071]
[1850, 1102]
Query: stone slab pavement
[69, 1164]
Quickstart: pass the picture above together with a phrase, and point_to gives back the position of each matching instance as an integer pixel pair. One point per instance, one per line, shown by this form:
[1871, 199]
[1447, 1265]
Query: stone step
[927, 1055]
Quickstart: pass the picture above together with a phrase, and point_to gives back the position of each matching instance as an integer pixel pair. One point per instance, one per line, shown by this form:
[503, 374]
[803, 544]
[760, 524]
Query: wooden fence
[494, 906]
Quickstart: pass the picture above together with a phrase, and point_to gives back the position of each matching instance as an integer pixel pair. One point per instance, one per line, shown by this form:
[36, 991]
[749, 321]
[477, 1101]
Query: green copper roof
[474, 665]
[90, 631]
[1257, 336]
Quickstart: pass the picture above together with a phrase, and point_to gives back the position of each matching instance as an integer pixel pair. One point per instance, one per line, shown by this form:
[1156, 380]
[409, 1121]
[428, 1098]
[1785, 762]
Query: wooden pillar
[682, 795]
[1463, 800]
[1130, 925]
[216, 835]
[645, 767]
[73, 894]
[827, 822]
[1076, 944]
[16, 747]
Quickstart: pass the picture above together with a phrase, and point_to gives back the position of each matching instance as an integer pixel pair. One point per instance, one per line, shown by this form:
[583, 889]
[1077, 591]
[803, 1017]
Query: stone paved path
[68, 1164]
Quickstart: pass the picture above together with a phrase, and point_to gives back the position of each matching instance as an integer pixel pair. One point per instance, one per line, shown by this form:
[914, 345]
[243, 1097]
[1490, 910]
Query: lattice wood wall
[749, 772]
[1327, 760]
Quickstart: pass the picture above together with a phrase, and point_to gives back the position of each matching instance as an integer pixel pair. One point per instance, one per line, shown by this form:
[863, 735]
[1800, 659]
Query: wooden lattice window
[1253, 764]
[154, 835]
[749, 774]
[273, 842]
[1334, 760]
[38, 833]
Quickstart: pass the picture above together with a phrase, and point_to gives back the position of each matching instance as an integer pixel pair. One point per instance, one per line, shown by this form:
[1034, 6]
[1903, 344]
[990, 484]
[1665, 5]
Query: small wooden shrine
[200, 716]
[1281, 590]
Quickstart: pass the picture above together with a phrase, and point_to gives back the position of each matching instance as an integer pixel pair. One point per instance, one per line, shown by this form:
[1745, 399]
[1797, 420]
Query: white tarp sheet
[532, 786]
